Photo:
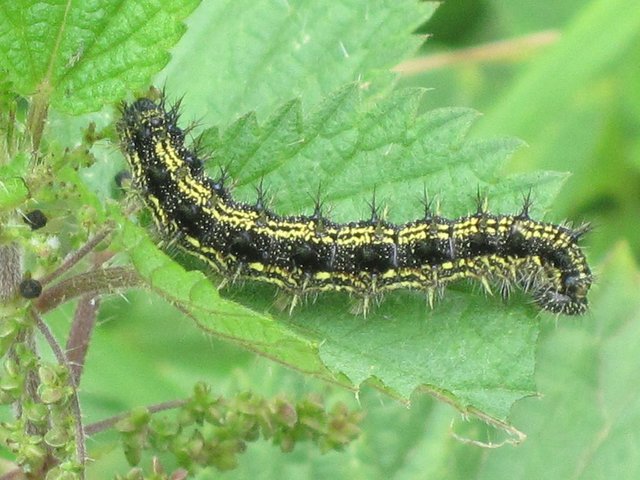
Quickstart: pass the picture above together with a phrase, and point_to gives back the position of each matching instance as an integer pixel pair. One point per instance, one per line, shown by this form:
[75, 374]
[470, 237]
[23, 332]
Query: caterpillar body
[309, 253]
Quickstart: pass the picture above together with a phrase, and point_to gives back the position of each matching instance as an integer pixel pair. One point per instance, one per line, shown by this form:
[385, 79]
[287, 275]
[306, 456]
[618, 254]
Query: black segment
[558, 258]
[482, 244]
[190, 219]
[307, 257]
[516, 245]
[158, 175]
[432, 251]
[218, 187]
[244, 245]
[195, 164]
[571, 283]
[156, 121]
[375, 258]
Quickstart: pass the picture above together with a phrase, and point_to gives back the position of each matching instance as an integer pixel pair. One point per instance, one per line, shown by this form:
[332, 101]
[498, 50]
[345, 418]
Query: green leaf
[197, 297]
[474, 352]
[350, 149]
[469, 352]
[587, 420]
[86, 54]
[257, 54]
[13, 189]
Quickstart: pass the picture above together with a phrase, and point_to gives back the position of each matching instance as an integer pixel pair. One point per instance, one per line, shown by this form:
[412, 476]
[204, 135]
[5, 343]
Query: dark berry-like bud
[30, 288]
[35, 219]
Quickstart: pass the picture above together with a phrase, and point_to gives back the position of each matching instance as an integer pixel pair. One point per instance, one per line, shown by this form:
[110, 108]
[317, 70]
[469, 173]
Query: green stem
[102, 425]
[38, 116]
[78, 255]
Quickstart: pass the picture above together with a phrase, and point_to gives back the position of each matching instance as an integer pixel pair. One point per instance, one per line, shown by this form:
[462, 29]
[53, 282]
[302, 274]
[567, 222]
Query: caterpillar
[310, 253]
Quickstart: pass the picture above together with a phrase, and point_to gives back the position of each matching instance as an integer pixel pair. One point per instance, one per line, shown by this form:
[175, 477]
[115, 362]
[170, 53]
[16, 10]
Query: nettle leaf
[90, 53]
[476, 353]
[193, 293]
[349, 148]
[13, 189]
[256, 54]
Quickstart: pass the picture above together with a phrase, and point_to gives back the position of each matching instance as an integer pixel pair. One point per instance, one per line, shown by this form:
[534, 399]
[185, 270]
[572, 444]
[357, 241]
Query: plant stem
[102, 425]
[10, 270]
[75, 402]
[76, 256]
[513, 48]
[15, 474]
[99, 281]
[38, 116]
[78, 342]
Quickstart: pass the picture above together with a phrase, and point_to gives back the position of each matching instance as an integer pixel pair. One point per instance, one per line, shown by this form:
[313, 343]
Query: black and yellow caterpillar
[309, 254]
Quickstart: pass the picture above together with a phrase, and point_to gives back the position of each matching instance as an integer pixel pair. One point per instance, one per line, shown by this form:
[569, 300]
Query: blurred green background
[565, 78]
